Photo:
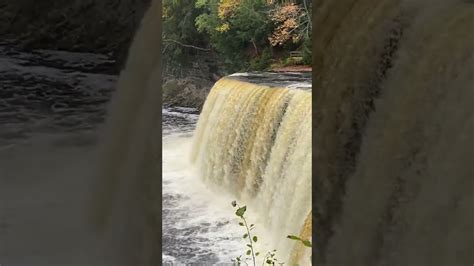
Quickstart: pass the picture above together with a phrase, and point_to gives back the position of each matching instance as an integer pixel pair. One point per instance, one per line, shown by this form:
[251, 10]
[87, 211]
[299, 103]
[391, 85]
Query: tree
[238, 29]
[181, 38]
[293, 23]
[246, 34]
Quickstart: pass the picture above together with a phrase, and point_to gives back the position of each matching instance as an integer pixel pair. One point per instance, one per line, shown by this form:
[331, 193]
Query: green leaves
[179, 25]
[240, 211]
[200, 3]
[234, 28]
[293, 237]
[269, 257]
[306, 243]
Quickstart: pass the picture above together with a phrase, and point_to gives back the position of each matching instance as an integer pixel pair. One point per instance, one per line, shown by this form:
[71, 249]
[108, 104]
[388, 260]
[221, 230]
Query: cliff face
[99, 26]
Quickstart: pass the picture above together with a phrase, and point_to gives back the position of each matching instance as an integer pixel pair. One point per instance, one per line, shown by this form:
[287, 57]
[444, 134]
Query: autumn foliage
[246, 34]
[287, 17]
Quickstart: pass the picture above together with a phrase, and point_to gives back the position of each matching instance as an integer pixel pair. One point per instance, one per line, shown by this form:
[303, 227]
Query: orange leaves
[287, 17]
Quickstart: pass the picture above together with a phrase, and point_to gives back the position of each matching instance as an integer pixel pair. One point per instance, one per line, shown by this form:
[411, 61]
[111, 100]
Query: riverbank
[297, 68]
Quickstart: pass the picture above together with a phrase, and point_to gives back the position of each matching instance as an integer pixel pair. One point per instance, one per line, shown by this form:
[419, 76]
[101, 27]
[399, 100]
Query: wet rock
[186, 92]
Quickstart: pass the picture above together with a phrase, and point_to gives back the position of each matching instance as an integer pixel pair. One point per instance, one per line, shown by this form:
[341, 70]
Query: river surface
[52, 107]
[198, 223]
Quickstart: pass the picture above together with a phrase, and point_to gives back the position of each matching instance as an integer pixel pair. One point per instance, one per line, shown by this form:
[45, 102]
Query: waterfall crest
[255, 142]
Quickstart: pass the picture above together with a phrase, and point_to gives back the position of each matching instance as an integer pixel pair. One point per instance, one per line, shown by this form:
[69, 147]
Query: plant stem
[250, 239]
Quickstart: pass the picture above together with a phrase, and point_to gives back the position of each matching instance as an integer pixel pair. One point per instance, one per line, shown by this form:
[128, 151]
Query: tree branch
[187, 45]
[308, 13]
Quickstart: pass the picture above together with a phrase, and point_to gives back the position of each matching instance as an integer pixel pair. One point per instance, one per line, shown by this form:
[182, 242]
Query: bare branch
[187, 45]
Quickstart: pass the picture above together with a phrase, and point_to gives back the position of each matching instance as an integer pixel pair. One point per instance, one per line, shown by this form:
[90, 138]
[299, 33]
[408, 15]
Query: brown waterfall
[394, 127]
[254, 141]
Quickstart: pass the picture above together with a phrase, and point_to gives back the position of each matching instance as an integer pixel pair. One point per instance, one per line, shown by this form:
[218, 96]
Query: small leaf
[293, 237]
[251, 225]
[241, 224]
[240, 211]
[255, 239]
[306, 243]
[269, 261]
[248, 245]
[245, 236]
[248, 252]
[234, 203]
[258, 253]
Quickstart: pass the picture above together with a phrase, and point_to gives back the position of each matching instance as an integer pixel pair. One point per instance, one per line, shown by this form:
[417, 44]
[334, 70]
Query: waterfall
[120, 206]
[395, 127]
[255, 142]
[252, 140]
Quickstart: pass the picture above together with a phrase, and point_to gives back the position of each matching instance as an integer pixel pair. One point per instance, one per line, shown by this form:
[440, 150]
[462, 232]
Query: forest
[200, 36]
[244, 35]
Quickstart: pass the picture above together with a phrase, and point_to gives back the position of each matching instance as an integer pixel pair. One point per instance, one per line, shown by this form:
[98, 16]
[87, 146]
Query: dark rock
[186, 92]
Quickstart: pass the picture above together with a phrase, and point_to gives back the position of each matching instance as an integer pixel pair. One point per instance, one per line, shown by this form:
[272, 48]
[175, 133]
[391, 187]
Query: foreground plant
[305, 242]
[269, 258]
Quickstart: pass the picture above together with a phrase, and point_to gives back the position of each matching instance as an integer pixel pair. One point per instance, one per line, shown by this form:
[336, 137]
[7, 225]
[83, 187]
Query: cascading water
[125, 184]
[395, 128]
[255, 142]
